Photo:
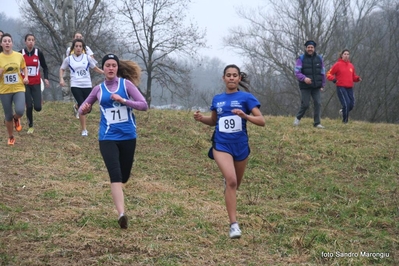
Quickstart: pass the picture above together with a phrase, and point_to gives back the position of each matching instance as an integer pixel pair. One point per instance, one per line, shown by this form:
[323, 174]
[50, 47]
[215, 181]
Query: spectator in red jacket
[343, 74]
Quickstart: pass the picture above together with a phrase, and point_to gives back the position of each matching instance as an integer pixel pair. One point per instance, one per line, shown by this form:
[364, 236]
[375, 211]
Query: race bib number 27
[32, 71]
[230, 124]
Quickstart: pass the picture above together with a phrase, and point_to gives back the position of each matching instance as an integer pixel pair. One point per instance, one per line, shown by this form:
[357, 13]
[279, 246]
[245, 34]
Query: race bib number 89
[116, 115]
[230, 124]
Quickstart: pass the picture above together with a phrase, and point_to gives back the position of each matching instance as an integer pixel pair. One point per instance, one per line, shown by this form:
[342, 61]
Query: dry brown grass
[56, 207]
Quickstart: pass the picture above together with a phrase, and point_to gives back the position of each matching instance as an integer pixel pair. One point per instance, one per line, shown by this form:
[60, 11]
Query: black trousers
[33, 99]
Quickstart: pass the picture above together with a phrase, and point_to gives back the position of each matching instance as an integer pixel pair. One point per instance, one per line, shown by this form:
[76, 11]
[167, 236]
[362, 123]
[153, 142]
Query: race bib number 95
[230, 124]
[10, 78]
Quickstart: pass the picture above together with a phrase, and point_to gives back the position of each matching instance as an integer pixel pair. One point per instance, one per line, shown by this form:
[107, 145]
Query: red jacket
[344, 73]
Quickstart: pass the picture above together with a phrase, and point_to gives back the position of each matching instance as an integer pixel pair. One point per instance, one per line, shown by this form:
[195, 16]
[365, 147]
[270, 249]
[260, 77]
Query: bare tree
[157, 34]
[12, 26]
[207, 81]
[378, 93]
[58, 18]
[54, 23]
[276, 36]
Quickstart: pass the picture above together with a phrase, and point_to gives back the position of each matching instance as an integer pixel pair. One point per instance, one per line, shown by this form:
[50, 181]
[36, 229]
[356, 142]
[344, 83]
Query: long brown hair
[129, 70]
[73, 46]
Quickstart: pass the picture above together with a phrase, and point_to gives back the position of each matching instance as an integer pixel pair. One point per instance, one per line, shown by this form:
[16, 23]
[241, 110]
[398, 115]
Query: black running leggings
[33, 99]
[118, 158]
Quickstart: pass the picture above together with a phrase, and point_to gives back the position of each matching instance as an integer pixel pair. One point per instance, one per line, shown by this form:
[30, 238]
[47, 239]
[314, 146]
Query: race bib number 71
[116, 115]
[230, 124]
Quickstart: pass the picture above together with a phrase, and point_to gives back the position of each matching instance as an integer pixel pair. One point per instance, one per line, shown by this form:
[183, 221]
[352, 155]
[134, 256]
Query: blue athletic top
[230, 128]
[117, 120]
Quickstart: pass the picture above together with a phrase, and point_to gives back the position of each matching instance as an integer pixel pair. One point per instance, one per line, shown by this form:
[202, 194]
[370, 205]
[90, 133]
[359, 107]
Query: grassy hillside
[309, 196]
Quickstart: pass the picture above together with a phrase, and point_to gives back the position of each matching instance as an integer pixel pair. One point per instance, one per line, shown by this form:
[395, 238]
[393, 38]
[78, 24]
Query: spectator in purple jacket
[117, 96]
[310, 72]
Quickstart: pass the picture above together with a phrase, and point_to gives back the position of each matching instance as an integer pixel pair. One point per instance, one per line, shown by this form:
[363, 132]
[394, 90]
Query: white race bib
[116, 115]
[83, 73]
[230, 124]
[10, 78]
[32, 71]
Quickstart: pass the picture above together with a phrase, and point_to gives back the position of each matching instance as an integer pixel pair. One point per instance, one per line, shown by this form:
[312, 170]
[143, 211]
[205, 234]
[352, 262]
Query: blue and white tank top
[80, 71]
[117, 120]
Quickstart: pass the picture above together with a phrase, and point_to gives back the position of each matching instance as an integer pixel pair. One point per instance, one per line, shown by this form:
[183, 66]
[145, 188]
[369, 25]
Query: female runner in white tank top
[79, 65]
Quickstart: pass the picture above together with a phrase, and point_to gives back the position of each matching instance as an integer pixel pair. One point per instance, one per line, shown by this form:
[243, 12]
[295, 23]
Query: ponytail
[244, 83]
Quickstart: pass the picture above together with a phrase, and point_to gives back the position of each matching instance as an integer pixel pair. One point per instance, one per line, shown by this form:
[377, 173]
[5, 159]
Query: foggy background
[183, 59]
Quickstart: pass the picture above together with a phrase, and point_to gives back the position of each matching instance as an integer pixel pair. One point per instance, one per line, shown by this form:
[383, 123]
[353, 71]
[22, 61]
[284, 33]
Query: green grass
[309, 196]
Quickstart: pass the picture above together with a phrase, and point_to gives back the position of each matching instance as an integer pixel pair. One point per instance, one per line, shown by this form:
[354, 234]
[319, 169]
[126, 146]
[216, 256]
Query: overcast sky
[216, 16]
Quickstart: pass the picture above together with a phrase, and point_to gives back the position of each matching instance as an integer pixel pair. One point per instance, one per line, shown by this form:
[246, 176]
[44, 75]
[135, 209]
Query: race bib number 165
[11, 78]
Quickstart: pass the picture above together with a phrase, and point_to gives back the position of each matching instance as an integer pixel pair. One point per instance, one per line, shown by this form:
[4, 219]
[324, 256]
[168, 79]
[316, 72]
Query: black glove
[335, 81]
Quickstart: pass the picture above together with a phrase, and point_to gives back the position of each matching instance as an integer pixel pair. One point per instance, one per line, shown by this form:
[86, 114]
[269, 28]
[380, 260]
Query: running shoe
[30, 130]
[11, 141]
[319, 126]
[85, 133]
[123, 221]
[296, 122]
[17, 125]
[235, 231]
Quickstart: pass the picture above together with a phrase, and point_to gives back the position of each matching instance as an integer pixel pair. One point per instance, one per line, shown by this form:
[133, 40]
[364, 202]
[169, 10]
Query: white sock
[122, 214]
[234, 225]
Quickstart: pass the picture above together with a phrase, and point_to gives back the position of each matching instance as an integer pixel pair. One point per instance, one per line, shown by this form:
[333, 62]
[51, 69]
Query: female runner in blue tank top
[117, 96]
[230, 112]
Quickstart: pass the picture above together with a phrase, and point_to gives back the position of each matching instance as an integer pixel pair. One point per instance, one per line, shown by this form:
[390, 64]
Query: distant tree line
[156, 34]
[276, 36]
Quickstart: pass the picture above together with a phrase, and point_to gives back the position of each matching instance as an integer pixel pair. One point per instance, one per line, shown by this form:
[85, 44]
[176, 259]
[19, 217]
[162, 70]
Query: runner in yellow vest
[12, 88]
